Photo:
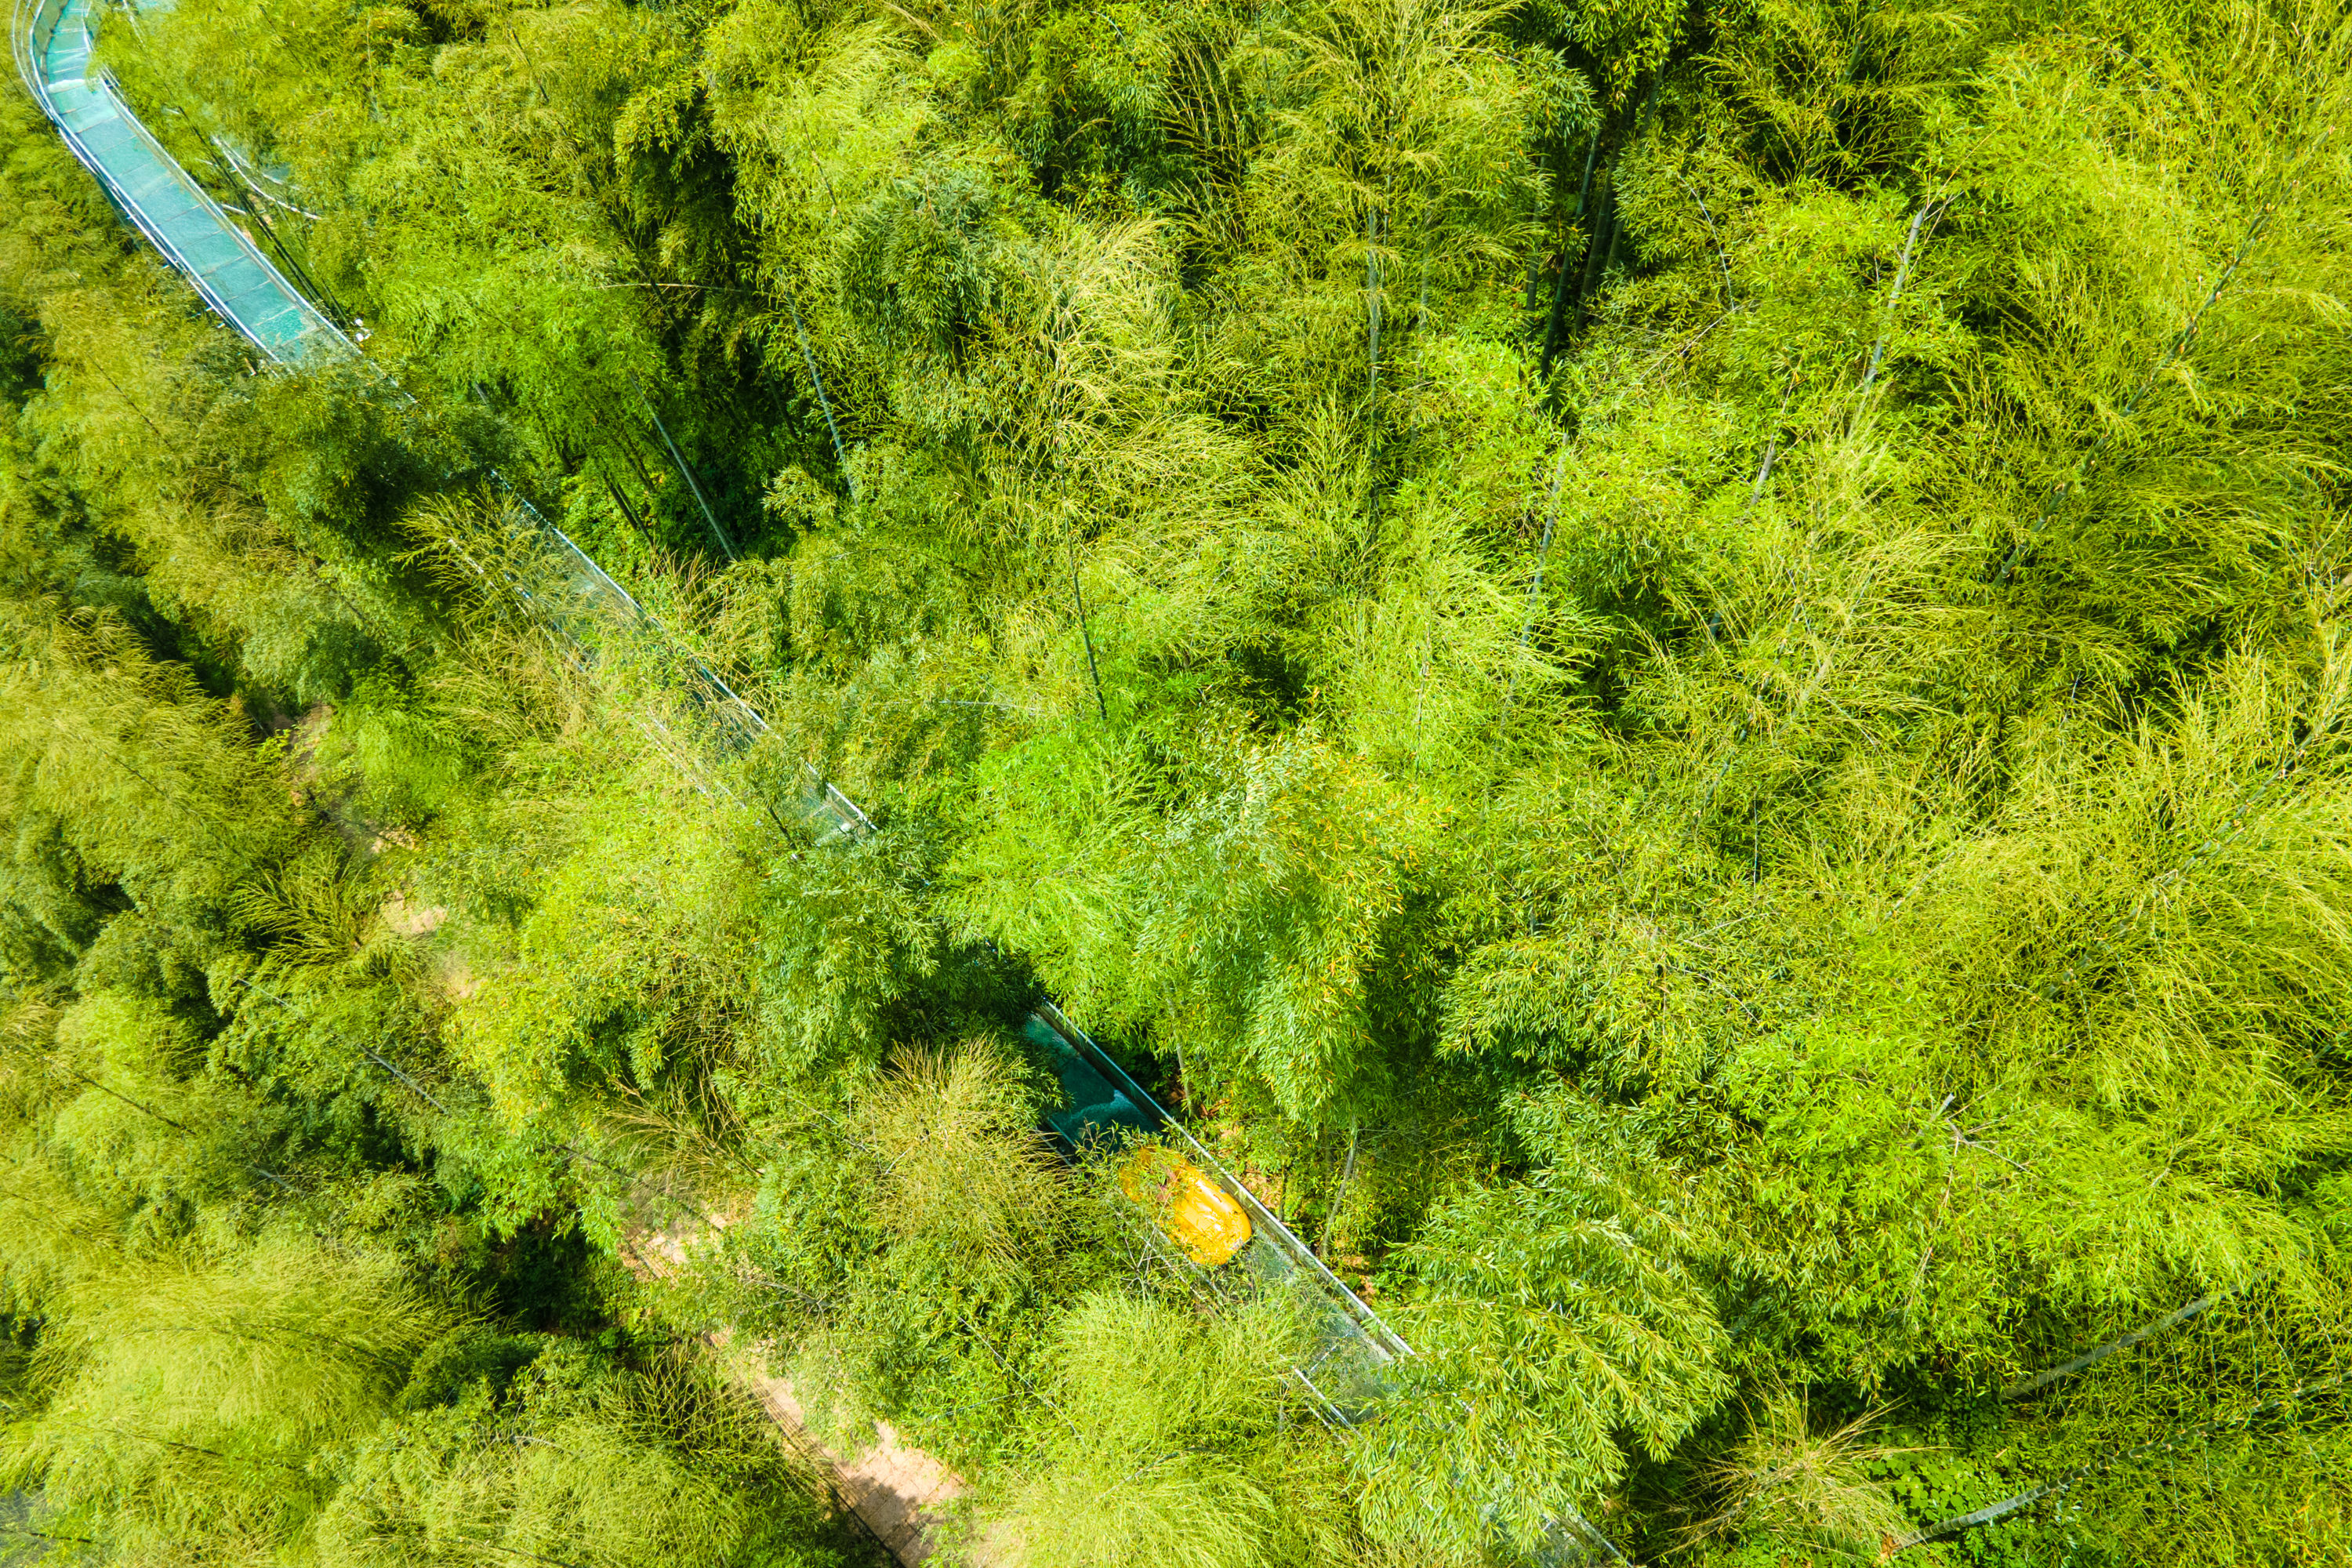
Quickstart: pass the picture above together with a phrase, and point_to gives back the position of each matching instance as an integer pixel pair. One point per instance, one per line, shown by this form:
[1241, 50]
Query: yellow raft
[1201, 1216]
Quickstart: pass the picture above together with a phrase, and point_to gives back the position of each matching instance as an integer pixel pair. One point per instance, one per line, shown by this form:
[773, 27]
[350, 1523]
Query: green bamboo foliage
[1554, 1315]
[179, 1401]
[1159, 1442]
[121, 761]
[964, 1175]
[1803, 1489]
[581, 1466]
[1680, 669]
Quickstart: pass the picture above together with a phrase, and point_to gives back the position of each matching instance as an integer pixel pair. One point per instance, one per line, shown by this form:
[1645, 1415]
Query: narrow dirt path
[901, 1493]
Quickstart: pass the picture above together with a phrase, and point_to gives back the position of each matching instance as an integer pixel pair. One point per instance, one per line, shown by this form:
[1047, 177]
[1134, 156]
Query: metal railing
[1350, 1331]
[1383, 1341]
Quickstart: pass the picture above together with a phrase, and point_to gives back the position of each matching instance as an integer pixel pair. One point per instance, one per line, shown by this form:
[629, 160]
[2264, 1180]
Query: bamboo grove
[1680, 669]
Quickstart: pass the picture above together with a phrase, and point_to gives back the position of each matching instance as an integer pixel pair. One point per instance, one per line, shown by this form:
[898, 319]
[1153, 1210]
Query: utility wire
[725, 544]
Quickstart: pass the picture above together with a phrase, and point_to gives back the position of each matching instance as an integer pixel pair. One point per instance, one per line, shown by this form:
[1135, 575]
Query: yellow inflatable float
[1202, 1216]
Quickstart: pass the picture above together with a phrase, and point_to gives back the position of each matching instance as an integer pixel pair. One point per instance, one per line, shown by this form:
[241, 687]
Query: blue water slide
[52, 39]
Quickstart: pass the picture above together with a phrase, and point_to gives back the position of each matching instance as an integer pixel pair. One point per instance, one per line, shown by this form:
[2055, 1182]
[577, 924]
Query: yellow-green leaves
[1550, 1316]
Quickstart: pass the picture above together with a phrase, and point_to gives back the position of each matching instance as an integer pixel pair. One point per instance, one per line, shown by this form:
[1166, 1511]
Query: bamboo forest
[1176, 784]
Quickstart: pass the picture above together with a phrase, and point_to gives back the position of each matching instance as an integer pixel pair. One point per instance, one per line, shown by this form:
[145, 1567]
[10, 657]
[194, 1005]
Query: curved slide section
[52, 43]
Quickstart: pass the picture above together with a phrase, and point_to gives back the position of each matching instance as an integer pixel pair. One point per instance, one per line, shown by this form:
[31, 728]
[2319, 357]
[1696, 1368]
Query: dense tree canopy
[1680, 670]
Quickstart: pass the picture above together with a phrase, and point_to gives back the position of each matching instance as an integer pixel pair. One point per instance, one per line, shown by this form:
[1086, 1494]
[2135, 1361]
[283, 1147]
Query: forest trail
[900, 1493]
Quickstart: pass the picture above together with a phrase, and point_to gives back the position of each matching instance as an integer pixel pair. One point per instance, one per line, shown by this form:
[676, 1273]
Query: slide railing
[1345, 1373]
